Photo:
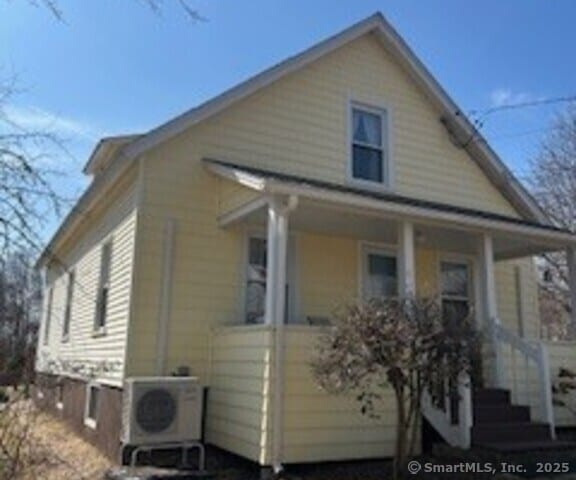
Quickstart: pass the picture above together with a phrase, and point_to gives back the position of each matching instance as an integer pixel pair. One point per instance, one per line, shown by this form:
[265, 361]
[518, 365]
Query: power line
[482, 114]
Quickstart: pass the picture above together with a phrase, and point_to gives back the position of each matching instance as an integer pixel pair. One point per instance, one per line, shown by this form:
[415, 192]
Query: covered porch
[312, 247]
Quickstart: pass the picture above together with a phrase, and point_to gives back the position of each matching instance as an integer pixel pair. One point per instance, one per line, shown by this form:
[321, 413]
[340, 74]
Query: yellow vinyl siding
[327, 273]
[232, 196]
[318, 426]
[299, 125]
[238, 401]
[116, 222]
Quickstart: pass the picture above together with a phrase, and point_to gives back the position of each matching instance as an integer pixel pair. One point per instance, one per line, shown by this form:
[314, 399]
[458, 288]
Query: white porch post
[489, 307]
[277, 241]
[275, 307]
[407, 287]
[571, 262]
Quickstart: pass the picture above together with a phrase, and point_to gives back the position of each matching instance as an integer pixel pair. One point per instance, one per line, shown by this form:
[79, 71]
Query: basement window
[92, 406]
[60, 397]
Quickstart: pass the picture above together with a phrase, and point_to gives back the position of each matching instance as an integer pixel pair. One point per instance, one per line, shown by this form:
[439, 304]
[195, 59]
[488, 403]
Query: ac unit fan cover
[156, 410]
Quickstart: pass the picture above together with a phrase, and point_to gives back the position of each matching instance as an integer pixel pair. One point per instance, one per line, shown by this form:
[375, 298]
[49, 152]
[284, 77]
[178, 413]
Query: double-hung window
[68, 310]
[48, 316]
[369, 162]
[256, 276]
[455, 289]
[103, 288]
[256, 280]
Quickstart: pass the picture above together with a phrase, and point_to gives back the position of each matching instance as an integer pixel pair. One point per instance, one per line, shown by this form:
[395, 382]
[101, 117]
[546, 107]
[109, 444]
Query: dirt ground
[63, 455]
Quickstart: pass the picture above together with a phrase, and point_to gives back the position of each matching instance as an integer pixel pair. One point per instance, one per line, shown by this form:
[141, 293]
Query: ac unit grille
[156, 410]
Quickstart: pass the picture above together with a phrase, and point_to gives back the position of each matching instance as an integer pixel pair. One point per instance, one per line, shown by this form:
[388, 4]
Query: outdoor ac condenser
[161, 410]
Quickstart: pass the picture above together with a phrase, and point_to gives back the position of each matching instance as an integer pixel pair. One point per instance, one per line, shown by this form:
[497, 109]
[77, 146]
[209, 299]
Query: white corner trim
[165, 301]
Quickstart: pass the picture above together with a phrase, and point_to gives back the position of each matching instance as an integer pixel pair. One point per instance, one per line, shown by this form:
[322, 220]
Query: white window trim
[59, 403]
[88, 421]
[365, 248]
[384, 111]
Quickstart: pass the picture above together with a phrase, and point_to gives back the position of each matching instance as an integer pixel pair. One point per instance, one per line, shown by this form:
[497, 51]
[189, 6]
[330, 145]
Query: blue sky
[115, 67]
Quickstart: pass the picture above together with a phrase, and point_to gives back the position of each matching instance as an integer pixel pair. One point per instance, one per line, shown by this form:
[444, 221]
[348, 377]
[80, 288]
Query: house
[222, 241]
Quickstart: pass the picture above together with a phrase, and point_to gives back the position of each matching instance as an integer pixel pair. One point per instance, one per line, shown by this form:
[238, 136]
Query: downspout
[165, 307]
[282, 211]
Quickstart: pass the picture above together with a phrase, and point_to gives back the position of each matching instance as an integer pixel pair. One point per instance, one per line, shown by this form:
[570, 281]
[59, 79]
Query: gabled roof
[121, 151]
[460, 128]
[104, 152]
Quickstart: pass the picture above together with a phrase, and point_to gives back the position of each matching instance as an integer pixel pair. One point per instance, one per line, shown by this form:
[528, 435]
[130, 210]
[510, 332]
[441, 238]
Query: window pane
[69, 299]
[257, 255]
[454, 278]
[367, 164]
[256, 281]
[93, 402]
[382, 278]
[48, 318]
[455, 310]
[367, 127]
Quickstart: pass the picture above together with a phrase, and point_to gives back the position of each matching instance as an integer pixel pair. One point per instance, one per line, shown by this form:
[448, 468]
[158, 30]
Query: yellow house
[221, 242]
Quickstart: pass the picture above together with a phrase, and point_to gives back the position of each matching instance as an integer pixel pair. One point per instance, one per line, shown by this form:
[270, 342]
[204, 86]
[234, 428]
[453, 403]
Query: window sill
[90, 423]
[101, 332]
[369, 185]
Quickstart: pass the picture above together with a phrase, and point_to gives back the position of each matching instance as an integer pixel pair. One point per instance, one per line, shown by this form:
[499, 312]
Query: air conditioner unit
[162, 410]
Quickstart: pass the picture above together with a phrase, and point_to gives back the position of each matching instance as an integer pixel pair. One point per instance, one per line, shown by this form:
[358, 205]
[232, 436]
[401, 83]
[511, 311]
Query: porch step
[510, 432]
[527, 446]
[491, 396]
[500, 413]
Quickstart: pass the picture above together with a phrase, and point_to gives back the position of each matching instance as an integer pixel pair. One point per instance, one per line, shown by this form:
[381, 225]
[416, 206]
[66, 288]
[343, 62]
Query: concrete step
[500, 414]
[510, 432]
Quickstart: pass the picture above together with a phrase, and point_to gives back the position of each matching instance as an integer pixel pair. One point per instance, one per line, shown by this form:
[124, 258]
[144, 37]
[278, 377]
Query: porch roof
[260, 179]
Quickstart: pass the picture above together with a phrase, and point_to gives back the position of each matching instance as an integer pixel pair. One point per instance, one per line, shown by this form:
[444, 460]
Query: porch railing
[519, 365]
[452, 420]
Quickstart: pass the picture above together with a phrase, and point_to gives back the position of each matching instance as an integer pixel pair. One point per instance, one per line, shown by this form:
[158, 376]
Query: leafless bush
[407, 344]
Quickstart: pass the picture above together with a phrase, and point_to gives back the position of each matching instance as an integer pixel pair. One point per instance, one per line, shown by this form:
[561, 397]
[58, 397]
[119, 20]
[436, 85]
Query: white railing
[454, 427]
[534, 359]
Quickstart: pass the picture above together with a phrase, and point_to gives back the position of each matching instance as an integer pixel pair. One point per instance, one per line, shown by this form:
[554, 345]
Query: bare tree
[20, 300]
[405, 344]
[27, 196]
[553, 183]
[157, 6]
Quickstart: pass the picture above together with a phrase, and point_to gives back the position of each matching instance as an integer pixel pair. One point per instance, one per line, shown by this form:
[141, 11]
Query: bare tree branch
[553, 183]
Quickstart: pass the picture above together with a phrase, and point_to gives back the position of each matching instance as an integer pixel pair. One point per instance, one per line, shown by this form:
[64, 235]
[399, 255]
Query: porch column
[407, 287]
[275, 305]
[277, 241]
[571, 263]
[489, 308]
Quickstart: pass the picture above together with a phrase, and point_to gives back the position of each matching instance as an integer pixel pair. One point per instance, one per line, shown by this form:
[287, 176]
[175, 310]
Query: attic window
[369, 162]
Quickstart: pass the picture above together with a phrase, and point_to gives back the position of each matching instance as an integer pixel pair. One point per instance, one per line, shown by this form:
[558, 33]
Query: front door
[455, 289]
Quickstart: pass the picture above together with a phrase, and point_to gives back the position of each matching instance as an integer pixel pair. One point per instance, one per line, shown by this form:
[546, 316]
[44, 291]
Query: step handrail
[456, 434]
[535, 352]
